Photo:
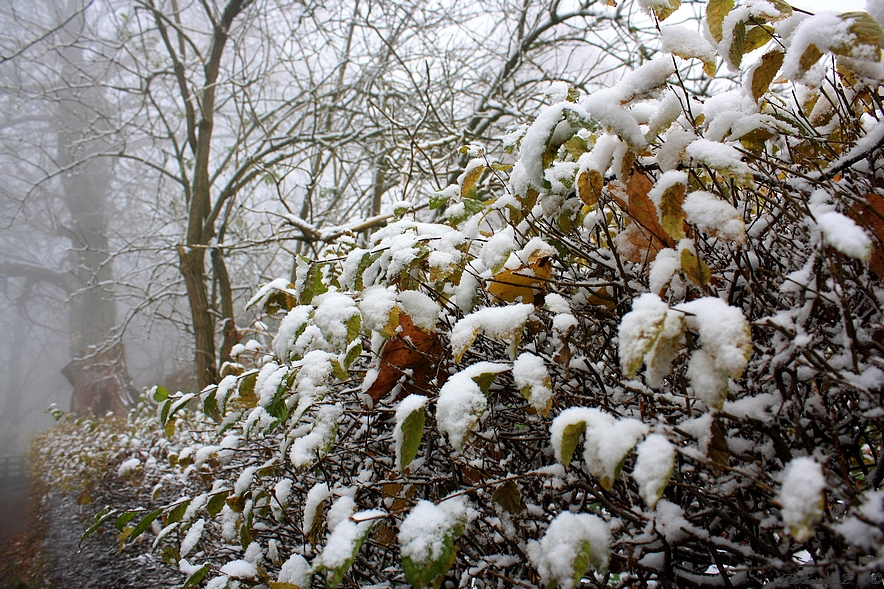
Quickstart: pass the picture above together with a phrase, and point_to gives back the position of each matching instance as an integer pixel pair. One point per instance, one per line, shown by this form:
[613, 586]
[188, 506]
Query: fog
[154, 176]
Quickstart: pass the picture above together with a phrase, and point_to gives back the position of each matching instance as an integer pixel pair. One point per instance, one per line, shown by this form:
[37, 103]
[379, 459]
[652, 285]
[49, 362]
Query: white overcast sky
[833, 5]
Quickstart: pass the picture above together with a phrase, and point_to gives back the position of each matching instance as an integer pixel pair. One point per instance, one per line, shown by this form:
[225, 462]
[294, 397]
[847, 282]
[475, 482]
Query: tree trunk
[98, 370]
[192, 265]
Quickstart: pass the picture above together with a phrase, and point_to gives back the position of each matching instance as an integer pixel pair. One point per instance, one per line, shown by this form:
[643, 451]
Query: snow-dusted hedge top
[647, 351]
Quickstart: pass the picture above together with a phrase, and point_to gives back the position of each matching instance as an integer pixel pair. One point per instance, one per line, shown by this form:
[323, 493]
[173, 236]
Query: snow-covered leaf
[462, 401]
[533, 381]
[343, 545]
[572, 543]
[500, 322]
[426, 540]
[801, 496]
[639, 331]
[654, 464]
[409, 429]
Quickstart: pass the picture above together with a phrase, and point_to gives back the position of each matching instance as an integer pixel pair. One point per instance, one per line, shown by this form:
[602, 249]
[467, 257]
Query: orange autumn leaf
[523, 283]
[644, 237]
[410, 351]
[870, 215]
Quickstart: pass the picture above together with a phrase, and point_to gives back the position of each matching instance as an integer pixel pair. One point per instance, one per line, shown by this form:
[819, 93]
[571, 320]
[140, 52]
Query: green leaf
[197, 576]
[160, 393]
[413, 431]
[164, 412]
[422, 575]
[216, 503]
[245, 532]
[737, 45]
[354, 325]
[338, 370]
[485, 380]
[367, 260]
[576, 146]
[100, 517]
[144, 524]
[354, 350]
[247, 384]
[581, 562]
[570, 439]
[210, 403]
[437, 201]
[578, 121]
[765, 73]
[313, 285]
[177, 512]
[509, 497]
[716, 10]
[126, 518]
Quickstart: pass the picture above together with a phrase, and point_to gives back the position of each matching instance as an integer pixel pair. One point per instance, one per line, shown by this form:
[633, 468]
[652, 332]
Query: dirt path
[13, 510]
[40, 550]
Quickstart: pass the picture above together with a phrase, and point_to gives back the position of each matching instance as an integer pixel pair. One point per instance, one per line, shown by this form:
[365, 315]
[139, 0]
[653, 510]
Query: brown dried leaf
[509, 497]
[870, 215]
[644, 237]
[411, 350]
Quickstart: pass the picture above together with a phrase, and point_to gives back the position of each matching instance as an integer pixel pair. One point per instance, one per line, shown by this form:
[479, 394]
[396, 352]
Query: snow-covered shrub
[647, 351]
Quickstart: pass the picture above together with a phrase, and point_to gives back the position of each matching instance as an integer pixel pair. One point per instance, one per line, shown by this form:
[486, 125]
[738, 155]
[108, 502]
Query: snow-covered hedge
[646, 350]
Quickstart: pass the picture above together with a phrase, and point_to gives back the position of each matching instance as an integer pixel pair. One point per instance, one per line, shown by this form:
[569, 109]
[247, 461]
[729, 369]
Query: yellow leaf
[783, 8]
[626, 165]
[757, 37]
[510, 285]
[716, 10]
[709, 67]
[576, 146]
[866, 28]
[470, 179]
[765, 73]
[810, 56]
[672, 215]
[462, 349]
[389, 330]
[589, 186]
[663, 12]
[695, 268]
[755, 139]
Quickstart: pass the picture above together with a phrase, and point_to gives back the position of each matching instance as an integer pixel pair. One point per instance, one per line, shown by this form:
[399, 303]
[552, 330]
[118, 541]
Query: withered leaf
[509, 497]
[412, 351]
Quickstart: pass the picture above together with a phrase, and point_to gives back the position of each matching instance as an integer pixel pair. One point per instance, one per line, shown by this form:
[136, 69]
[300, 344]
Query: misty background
[161, 160]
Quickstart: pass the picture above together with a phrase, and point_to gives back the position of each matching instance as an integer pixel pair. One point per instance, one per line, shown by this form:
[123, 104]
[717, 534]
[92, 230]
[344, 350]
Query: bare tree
[67, 161]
